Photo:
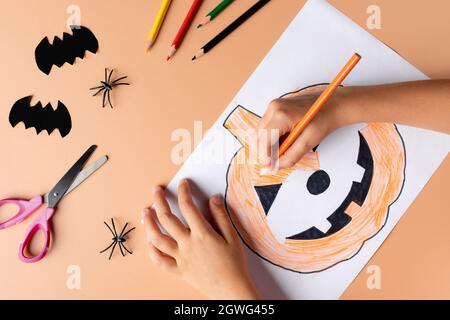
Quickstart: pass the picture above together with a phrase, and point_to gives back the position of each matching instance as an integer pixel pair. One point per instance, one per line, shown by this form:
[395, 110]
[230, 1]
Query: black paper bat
[63, 51]
[41, 118]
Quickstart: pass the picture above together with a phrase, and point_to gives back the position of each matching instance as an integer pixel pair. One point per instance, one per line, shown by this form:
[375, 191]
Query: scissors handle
[41, 223]
[25, 208]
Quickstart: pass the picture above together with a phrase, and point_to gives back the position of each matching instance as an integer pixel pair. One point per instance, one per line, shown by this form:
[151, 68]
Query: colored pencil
[154, 31]
[215, 12]
[184, 28]
[318, 104]
[232, 27]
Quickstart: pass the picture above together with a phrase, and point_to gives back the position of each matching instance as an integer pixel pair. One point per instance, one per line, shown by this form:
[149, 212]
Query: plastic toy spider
[118, 239]
[107, 86]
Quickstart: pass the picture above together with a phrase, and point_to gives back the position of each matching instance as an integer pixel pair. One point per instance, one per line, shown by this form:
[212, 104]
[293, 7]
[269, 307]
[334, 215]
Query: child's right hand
[422, 104]
[283, 114]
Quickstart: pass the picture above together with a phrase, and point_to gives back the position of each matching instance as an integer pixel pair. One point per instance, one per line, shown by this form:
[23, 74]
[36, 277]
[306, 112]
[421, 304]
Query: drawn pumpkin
[347, 188]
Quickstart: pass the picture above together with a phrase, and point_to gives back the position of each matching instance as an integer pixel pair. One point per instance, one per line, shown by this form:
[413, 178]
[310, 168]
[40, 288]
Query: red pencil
[184, 28]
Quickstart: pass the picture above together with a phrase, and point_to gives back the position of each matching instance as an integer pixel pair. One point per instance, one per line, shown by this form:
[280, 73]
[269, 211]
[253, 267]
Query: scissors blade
[60, 189]
[87, 172]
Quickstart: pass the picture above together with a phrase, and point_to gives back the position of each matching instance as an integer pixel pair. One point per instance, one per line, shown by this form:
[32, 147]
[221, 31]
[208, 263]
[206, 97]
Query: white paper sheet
[312, 50]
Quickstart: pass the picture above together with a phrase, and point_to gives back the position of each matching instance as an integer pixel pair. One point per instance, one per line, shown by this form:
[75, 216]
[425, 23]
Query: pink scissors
[72, 179]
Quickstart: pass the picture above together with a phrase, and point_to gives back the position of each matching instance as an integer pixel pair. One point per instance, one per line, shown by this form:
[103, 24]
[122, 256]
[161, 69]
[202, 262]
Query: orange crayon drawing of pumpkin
[358, 218]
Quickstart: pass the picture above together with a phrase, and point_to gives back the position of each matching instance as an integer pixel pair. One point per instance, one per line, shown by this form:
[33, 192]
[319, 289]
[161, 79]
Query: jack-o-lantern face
[319, 213]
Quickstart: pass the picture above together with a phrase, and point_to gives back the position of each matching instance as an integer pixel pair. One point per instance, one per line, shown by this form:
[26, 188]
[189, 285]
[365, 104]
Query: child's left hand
[211, 261]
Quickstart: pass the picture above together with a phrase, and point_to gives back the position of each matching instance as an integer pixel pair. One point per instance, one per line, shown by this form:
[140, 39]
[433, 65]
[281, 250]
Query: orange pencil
[320, 102]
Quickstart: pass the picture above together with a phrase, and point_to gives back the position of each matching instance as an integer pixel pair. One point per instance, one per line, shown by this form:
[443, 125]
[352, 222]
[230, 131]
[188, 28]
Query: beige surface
[164, 96]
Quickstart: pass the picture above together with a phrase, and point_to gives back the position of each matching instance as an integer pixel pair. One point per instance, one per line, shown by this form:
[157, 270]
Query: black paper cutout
[267, 195]
[41, 118]
[63, 51]
[318, 182]
[358, 193]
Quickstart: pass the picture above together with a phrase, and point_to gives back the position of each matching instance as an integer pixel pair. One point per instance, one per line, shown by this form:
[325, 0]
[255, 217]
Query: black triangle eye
[318, 182]
[267, 195]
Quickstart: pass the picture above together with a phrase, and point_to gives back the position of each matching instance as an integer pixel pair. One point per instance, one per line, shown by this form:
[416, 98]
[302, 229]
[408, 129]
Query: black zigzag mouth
[338, 219]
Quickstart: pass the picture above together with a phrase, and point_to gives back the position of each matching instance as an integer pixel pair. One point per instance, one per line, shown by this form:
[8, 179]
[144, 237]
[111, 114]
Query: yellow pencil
[153, 34]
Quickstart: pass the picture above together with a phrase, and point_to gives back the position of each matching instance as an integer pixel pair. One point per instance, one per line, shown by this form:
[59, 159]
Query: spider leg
[109, 99]
[126, 248]
[124, 227]
[112, 243]
[120, 84]
[110, 74]
[95, 88]
[98, 92]
[117, 80]
[128, 232]
[106, 74]
[104, 97]
[112, 251]
[121, 251]
[114, 227]
[110, 229]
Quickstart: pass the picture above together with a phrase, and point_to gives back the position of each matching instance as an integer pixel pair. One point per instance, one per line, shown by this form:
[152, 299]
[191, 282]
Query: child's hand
[210, 261]
[283, 114]
[423, 104]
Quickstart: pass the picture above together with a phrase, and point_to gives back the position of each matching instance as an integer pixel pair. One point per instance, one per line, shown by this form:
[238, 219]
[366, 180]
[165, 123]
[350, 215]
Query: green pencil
[213, 14]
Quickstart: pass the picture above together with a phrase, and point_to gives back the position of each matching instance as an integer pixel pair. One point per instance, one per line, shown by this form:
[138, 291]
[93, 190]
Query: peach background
[164, 96]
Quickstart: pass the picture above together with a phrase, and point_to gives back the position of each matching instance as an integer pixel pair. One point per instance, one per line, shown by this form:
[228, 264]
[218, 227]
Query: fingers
[294, 154]
[155, 237]
[222, 219]
[162, 248]
[276, 122]
[267, 140]
[282, 115]
[162, 260]
[191, 214]
[165, 216]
